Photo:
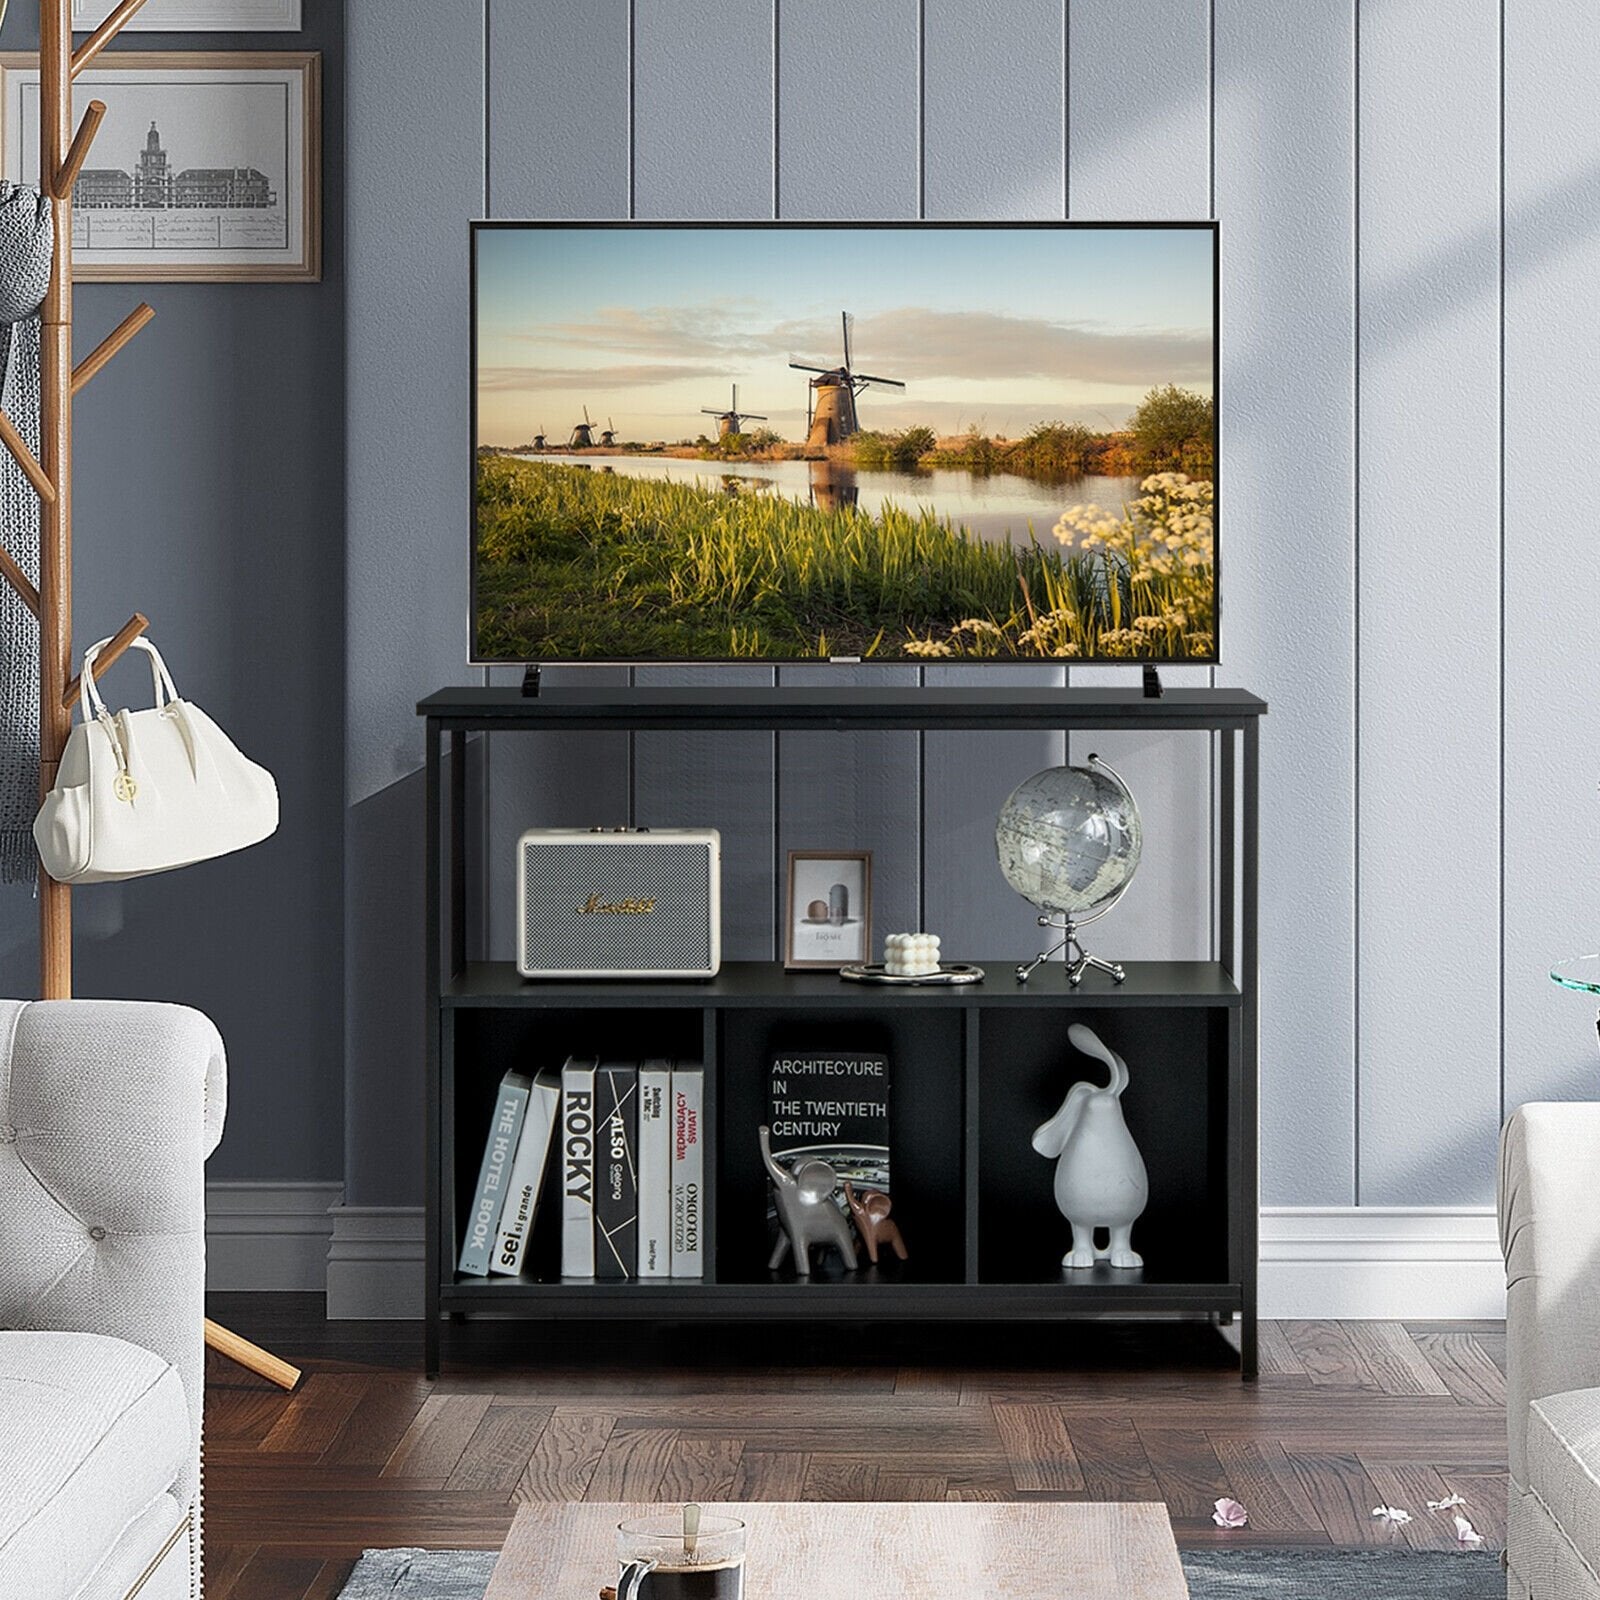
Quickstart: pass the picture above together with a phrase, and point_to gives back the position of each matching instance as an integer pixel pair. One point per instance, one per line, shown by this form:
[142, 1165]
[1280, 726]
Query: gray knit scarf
[25, 249]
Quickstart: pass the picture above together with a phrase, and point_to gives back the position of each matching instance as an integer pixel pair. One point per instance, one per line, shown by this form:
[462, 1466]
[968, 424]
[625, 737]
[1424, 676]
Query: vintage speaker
[623, 903]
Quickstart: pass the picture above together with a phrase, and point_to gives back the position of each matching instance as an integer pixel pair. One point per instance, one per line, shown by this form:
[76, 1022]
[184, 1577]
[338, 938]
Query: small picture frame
[828, 911]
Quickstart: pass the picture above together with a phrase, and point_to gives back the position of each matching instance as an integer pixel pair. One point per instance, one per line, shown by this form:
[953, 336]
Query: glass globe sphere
[1069, 839]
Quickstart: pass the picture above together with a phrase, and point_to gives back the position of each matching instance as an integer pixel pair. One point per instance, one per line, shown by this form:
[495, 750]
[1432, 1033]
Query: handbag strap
[161, 686]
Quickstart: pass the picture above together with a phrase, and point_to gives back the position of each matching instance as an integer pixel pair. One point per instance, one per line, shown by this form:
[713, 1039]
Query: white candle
[911, 955]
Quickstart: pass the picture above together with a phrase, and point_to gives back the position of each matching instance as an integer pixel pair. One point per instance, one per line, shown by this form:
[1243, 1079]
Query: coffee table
[917, 1550]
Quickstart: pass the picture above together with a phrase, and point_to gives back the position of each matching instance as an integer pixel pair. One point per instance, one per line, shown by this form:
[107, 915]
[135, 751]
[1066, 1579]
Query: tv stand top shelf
[997, 708]
[766, 985]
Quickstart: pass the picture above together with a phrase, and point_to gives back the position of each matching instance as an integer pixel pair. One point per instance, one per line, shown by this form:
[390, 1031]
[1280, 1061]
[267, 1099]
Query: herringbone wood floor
[1347, 1416]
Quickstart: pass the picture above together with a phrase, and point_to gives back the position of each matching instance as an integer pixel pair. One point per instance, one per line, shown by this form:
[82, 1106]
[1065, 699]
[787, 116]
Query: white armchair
[1550, 1232]
[108, 1110]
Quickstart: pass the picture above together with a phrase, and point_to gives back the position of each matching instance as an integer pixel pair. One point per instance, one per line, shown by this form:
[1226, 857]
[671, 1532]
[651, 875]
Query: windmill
[608, 434]
[538, 439]
[733, 419]
[582, 433]
[831, 412]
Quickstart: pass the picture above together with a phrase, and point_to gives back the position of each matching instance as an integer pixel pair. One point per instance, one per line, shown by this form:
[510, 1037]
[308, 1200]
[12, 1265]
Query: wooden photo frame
[828, 909]
[206, 169]
[196, 16]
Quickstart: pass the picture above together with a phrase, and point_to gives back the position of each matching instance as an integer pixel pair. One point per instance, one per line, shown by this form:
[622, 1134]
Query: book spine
[577, 1169]
[616, 1196]
[498, 1152]
[527, 1175]
[655, 1170]
[688, 1172]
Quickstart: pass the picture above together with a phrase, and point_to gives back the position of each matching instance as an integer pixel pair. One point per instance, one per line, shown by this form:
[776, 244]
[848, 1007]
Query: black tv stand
[981, 1066]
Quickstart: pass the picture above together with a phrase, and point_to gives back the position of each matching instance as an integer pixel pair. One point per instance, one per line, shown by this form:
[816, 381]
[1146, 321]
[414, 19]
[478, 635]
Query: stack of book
[631, 1171]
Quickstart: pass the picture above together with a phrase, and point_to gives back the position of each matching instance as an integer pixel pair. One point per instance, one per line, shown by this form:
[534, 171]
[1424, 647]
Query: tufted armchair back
[108, 1110]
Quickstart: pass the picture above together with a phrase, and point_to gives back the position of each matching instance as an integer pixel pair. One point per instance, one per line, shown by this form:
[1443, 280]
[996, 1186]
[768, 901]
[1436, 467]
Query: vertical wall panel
[702, 109]
[993, 130]
[1284, 174]
[557, 147]
[847, 109]
[415, 127]
[1552, 582]
[1138, 146]
[1429, 592]
[557, 109]
[993, 147]
[854, 791]
[703, 143]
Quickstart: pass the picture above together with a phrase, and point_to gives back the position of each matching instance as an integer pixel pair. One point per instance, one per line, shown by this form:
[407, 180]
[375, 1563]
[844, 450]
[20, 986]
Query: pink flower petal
[1230, 1514]
[1392, 1514]
[1465, 1532]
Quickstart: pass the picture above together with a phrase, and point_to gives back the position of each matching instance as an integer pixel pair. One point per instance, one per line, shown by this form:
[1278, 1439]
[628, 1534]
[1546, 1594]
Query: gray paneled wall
[1418, 632]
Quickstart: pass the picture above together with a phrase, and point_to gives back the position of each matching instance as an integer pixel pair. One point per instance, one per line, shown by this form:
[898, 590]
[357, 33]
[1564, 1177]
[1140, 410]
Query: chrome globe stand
[1078, 960]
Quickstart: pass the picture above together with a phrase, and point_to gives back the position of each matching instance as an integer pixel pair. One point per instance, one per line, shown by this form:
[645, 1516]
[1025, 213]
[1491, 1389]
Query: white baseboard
[1381, 1262]
[1366, 1262]
[268, 1235]
[375, 1262]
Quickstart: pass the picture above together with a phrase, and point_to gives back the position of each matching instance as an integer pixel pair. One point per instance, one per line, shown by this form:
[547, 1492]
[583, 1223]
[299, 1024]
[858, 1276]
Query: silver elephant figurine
[806, 1210]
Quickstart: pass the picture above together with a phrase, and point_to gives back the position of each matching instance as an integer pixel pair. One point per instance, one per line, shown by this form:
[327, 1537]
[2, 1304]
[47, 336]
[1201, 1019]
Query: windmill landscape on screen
[921, 443]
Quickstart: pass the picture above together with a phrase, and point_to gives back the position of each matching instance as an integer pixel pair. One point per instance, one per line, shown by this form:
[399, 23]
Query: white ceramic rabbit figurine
[1100, 1176]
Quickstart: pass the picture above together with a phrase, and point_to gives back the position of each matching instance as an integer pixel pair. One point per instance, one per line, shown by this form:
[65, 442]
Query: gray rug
[1212, 1574]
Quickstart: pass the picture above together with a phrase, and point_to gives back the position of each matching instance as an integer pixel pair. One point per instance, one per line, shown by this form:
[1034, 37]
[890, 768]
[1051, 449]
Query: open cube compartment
[1175, 1106]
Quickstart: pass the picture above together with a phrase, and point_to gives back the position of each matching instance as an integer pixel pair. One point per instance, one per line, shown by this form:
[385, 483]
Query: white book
[527, 1174]
[655, 1169]
[577, 1168]
[688, 1172]
[490, 1196]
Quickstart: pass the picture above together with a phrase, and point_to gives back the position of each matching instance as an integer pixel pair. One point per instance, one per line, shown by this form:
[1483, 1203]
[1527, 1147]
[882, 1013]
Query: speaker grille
[559, 878]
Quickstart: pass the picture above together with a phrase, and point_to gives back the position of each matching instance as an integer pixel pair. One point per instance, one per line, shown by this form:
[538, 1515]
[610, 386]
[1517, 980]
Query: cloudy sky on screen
[998, 329]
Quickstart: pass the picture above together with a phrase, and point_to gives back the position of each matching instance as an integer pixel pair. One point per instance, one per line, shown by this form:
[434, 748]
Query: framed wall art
[207, 167]
[829, 908]
[196, 16]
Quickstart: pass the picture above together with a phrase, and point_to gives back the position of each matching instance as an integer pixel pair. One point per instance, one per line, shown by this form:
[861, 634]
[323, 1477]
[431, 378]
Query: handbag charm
[139, 792]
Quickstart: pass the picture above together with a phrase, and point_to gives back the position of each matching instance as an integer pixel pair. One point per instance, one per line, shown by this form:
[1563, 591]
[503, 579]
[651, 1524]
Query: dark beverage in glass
[661, 1560]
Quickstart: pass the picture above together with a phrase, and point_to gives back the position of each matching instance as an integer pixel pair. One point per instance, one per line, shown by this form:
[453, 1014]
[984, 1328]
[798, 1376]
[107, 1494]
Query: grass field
[575, 564]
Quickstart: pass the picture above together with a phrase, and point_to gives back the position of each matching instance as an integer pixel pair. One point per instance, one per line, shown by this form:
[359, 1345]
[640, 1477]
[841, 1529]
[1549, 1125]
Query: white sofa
[108, 1110]
[1550, 1232]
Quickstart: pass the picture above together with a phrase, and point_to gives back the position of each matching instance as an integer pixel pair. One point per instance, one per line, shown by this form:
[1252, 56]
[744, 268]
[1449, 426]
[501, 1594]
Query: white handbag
[146, 791]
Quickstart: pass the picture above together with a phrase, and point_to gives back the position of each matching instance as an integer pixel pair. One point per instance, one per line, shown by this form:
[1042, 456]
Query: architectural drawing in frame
[196, 16]
[207, 167]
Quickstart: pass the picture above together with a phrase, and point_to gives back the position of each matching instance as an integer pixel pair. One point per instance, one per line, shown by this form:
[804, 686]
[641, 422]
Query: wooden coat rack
[62, 152]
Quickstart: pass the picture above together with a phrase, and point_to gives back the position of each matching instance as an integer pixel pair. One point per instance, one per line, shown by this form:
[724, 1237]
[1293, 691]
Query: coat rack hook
[110, 345]
[103, 35]
[94, 114]
[32, 471]
[120, 640]
[19, 580]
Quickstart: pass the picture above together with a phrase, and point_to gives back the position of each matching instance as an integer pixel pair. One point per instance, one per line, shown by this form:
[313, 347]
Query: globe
[1069, 838]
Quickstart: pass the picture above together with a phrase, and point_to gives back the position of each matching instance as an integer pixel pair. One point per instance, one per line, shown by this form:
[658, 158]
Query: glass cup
[660, 1563]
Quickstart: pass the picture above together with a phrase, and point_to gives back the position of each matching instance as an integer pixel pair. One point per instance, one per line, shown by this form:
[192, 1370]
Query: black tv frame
[490, 225]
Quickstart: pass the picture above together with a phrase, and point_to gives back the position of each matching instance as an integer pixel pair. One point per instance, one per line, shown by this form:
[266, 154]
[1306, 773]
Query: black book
[616, 1195]
[833, 1104]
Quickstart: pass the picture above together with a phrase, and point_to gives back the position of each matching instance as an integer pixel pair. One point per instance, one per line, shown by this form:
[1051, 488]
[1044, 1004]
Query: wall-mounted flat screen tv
[801, 441]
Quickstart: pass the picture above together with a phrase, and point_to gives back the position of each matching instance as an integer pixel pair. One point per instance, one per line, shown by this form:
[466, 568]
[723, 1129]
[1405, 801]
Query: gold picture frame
[230, 193]
[839, 935]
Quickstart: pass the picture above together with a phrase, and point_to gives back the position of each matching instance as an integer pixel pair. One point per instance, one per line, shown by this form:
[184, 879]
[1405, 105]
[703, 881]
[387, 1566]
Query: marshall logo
[594, 906]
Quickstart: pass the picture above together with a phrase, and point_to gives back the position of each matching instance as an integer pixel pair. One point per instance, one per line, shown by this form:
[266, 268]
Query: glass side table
[1581, 973]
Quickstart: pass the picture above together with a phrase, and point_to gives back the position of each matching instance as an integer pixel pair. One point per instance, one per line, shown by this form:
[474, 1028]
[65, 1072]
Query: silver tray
[949, 972]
